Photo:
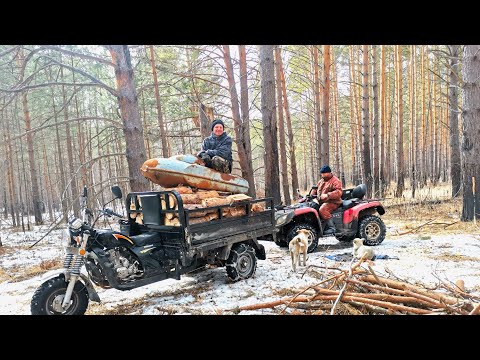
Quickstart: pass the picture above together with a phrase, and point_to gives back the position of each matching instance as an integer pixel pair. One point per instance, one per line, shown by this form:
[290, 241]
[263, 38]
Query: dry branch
[360, 291]
[416, 229]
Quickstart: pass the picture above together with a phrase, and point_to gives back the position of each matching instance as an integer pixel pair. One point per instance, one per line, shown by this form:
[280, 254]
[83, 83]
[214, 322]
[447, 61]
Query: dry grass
[455, 257]
[4, 250]
[136, 306]
[409, 214]
[27, 273]
[4, 276]
[284, 292]
[132, 307]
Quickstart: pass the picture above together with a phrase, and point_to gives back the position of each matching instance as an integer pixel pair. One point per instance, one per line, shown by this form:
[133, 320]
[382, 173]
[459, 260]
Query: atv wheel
[312, 239]
[48, 298]
[345, 237]
[372, 229]
[281, 243]
[241, 263]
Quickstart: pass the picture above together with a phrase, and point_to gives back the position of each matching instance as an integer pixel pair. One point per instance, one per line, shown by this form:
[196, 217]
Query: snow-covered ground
[426, 259]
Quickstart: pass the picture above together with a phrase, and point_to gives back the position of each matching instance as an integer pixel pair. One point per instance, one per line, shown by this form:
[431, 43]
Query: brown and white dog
[360, 250]
[298, 246]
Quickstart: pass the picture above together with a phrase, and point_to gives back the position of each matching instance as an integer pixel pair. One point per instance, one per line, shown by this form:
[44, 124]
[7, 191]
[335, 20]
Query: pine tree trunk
[314, 169]
[72, 181]
[422, 144]
[60, 165]
[31, 153]
[413, 123]
[48, 183]
[455, 164]
[132, 125]
[101, 152]
[353, 121]
[400, 170]
[81, 139]
[365, 124]
[382, 123]
[388, 124]
[244, 106]
[376, 144]
[471, 133]
[25, 207]
[242, 126]
[145, 129]
[291, 142]
[435, 127]
[305, 170]
[281, 131]
[8, 157]
[161, 124]
[358, 107]
[318, 120]
[325, 141]
[336, 124]
[269, 119]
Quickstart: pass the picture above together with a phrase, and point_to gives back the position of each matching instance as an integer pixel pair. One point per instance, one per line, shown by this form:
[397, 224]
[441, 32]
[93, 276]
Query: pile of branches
[360, 290]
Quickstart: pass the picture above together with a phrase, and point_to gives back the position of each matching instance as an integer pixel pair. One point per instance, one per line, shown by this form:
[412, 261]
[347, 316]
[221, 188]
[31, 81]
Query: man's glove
[313, 204]
[200, 154]
[210, 153]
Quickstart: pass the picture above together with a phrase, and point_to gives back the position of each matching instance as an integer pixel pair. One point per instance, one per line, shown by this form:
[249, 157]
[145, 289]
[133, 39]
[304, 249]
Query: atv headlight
[282, 219]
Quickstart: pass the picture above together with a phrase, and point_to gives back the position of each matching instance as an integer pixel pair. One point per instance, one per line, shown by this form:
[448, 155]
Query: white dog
[360, 250]
[298, 246]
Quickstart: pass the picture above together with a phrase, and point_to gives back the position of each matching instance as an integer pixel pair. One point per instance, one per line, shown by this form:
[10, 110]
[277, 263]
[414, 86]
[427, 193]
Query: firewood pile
[359, 290]
[198, 199]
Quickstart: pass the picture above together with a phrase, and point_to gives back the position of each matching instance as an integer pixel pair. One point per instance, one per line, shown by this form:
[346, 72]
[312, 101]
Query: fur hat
[217, 121]
[325, 169]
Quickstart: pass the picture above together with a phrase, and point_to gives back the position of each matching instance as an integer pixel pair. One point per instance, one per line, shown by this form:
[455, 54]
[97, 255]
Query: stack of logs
[200, 199]
[361, 291]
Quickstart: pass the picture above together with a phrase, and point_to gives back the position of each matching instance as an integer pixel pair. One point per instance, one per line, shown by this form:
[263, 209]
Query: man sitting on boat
[217, 149]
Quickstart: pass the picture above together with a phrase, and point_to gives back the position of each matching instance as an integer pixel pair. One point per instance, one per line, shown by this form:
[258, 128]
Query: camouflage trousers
[217, 163]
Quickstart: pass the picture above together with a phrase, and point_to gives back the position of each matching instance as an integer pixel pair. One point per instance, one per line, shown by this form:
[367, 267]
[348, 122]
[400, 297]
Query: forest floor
[433, 248]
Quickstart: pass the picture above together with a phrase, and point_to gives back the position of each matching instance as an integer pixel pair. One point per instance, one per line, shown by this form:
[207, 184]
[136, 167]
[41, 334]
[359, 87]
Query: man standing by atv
[329, 193]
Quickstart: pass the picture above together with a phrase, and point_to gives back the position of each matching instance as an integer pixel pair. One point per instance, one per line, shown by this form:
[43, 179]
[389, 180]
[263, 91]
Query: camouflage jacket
[218, 146]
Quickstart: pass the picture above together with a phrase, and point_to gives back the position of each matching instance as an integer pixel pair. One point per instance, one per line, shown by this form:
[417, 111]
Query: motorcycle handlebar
[111, 212]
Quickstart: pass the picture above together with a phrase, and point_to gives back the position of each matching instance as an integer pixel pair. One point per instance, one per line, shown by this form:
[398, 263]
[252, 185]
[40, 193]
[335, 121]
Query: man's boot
[220, 164]
[207, 160]
[329, 227]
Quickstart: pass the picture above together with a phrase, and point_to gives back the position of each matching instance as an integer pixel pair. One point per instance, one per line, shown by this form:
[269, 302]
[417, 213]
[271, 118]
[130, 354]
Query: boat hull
[189, 170]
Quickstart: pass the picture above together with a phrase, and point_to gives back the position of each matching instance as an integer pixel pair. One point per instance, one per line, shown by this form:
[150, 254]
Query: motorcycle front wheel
[49, 296]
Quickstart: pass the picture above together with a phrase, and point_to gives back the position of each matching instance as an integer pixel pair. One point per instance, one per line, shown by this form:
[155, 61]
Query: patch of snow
[423, 259]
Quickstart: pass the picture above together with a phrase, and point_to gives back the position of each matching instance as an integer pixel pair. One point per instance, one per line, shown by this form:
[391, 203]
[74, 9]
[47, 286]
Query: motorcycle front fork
[72, 264]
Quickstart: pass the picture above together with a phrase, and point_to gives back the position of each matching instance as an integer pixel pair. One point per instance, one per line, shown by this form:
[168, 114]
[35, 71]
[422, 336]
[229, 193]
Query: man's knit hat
[217, 121]
[325, 169]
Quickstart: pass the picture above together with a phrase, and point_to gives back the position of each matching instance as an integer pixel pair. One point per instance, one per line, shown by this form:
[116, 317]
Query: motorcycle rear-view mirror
[117, 192]
[84, 191]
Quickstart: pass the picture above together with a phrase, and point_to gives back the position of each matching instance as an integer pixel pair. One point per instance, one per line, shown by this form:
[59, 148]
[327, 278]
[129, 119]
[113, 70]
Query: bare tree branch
[8, 51]
[76, 54]
[115, 122]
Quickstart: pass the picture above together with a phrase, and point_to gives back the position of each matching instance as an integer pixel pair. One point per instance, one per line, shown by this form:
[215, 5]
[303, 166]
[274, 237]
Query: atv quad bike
[356, 217]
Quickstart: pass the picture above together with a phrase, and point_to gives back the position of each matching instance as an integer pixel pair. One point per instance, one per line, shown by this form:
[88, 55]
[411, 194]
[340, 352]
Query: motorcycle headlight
[75, 224]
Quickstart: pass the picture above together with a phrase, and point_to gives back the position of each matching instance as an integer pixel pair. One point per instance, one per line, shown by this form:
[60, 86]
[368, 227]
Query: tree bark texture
[471, 133]
[269, 120]
[281, 131]
[132, 125]
[455, 162]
